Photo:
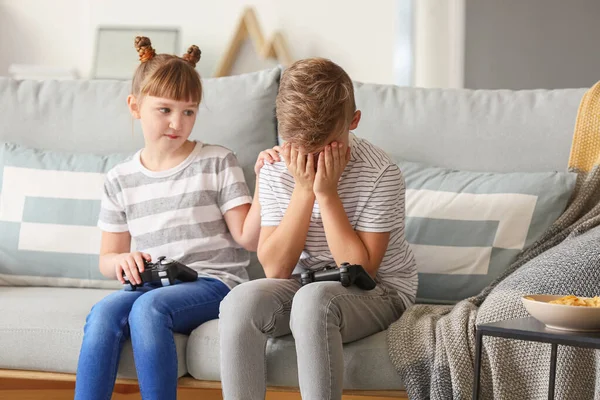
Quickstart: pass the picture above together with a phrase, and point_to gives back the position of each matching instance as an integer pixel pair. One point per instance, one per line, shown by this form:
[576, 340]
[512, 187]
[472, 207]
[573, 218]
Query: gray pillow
[49, 205]
[237, 112]
[466, 228]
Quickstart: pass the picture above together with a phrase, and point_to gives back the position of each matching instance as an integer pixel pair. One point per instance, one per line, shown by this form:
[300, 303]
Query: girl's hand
[301, 166]
[268, 156]
[132, 264]
[330, 167]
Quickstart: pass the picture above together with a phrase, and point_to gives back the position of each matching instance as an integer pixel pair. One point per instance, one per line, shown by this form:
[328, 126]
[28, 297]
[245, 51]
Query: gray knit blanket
[432, 347]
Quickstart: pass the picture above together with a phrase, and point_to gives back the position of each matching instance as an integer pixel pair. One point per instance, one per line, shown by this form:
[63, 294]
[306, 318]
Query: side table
[531, 329]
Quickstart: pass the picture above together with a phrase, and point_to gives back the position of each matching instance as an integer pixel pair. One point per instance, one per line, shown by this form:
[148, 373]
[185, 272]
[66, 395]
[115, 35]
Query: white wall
[359, 35]
[439, 36]
[48, 32]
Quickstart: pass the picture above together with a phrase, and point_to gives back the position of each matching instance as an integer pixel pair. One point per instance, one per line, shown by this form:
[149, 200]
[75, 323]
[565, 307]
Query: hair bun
[144, 48]
[192, 55]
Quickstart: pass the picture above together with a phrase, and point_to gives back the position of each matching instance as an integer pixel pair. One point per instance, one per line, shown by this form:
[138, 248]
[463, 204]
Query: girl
[176, 198]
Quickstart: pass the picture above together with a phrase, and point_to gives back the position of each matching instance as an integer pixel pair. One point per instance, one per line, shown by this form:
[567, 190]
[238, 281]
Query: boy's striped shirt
[372, 192]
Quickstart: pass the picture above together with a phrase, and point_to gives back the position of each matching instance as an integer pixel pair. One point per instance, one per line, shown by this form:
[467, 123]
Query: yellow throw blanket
[583, 212]
[585, 150]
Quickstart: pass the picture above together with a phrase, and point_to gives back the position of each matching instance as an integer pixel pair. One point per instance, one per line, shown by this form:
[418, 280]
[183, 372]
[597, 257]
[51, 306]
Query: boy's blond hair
[166, 75]
[315, 102]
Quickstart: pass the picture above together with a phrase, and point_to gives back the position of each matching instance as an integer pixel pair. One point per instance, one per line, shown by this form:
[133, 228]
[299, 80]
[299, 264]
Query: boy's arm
[280, 247]
[283, 237]
[346, 244]
[367, 244]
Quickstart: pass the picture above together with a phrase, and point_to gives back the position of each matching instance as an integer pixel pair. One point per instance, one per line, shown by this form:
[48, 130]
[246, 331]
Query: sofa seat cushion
[366, 362]
[41, 329]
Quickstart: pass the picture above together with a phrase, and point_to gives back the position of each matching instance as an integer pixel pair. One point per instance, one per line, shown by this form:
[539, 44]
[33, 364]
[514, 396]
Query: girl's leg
[105, 331]
[153, 320]
[325, 315]
[251, 313]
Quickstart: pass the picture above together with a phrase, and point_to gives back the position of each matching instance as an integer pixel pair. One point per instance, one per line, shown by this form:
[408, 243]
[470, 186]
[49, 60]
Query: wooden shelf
[249, 28]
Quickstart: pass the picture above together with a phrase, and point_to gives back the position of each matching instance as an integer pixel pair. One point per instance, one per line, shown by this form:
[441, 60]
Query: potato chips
[577, 301]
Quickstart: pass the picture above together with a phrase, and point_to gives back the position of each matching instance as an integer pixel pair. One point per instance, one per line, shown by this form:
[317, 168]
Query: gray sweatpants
[321, 316]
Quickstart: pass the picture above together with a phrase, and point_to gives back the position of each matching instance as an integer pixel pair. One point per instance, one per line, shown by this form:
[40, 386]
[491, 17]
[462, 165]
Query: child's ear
[355, 120]
[134, 106]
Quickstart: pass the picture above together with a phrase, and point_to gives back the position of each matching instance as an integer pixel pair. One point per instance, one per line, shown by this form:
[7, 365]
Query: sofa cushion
[41, 329]
[466, 228]
[366, 362]
[49, 206]
[92, 115]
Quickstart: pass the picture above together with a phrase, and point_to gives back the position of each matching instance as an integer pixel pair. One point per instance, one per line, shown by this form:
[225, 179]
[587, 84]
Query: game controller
[164, 271]
[346, 274]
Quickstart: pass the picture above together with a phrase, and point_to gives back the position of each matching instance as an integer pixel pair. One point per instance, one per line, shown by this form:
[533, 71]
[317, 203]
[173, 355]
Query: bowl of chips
[568, 313]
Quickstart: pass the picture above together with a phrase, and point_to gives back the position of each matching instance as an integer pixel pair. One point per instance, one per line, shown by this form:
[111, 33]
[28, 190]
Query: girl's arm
[243, 221]
[116, 258]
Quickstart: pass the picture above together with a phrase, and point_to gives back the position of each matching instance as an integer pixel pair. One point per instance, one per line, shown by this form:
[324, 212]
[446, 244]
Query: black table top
[531, 329]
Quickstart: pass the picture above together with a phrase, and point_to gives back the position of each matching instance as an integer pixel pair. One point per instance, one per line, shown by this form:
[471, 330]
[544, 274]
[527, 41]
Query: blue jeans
[149, 316]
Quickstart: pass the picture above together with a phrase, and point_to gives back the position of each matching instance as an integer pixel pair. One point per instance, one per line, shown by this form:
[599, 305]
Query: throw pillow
[466, 228]
[49, 205]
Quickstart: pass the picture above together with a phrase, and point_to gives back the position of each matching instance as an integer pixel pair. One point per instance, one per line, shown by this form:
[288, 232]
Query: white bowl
[563, 317]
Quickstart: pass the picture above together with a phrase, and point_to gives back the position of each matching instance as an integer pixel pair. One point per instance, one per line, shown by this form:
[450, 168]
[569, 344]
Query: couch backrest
[92, 116]
[484, 130]
[476, 130]
[472, 130]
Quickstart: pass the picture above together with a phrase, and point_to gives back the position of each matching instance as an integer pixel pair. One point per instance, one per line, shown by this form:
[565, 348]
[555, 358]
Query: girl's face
[166, 123]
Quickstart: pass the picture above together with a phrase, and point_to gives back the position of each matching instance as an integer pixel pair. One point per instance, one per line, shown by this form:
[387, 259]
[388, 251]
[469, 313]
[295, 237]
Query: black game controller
[164, 271]
[346, 274]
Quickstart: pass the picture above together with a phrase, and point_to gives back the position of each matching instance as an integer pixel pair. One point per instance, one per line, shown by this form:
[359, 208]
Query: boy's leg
[251, 313]
[153, 319]
[325, 315]
[105, 331]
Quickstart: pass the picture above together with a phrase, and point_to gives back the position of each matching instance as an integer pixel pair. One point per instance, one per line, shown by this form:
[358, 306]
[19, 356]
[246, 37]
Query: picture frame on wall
[115, 56]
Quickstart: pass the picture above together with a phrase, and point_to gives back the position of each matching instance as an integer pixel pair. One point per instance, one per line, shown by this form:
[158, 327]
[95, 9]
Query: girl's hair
[166, 75]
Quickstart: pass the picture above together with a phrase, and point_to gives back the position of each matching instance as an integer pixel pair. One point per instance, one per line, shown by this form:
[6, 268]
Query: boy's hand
[268, 156]
[331, 165]
[132, 264]
[301, 166]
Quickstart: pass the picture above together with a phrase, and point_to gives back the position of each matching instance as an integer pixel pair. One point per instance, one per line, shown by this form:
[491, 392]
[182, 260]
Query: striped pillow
[466, 228]
[49, 205]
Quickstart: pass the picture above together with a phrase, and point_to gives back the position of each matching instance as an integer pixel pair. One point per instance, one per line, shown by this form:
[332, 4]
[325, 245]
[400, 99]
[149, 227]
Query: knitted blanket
[433, 347]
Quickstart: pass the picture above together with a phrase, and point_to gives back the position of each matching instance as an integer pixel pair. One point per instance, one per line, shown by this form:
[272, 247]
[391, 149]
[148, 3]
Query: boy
[336, 198]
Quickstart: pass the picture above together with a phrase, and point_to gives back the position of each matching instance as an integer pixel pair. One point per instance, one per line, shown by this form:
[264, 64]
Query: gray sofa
[499, 131]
